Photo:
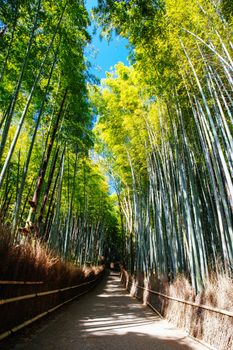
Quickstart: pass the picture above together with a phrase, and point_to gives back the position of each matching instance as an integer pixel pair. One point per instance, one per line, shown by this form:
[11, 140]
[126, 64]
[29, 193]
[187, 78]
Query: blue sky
[104, 55]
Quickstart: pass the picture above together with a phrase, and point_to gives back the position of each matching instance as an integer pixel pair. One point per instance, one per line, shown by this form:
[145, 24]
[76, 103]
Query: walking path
[106, 318]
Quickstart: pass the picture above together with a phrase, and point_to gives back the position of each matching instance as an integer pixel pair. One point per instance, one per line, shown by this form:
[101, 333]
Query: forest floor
[106, 318]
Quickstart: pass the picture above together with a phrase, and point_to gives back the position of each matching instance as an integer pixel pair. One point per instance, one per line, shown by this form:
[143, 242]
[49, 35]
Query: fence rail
[34, 295]
[209, 308]
[21, 282]
[14, 329]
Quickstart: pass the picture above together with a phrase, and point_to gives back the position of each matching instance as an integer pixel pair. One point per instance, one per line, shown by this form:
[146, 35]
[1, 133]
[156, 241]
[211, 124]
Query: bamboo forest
[136, 167]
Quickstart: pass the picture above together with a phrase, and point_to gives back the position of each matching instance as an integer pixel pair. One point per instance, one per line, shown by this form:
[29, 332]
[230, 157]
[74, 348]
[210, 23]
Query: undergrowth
[33, 261]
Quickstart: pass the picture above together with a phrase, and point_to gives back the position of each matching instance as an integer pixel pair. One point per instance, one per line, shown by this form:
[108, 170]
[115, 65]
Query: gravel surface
[106, 318]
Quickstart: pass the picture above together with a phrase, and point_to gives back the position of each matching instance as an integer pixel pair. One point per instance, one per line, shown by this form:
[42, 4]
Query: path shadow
[106, 318]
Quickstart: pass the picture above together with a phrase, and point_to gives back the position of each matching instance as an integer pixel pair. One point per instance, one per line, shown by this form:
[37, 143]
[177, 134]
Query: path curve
[106, 318]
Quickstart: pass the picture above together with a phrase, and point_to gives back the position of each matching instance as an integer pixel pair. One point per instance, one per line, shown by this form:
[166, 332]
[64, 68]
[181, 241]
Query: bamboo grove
[163, 134]
[49, 186]
[165, 131]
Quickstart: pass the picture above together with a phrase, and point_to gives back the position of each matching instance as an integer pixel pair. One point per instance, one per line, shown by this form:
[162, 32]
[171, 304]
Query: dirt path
[106, 318]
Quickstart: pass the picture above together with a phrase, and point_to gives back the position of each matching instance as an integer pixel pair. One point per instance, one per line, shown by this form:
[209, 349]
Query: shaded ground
[106, 318]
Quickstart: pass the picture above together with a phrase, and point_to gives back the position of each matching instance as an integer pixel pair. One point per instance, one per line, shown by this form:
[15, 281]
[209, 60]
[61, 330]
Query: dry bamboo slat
[30, 296]
[28, 322]
[209, 308]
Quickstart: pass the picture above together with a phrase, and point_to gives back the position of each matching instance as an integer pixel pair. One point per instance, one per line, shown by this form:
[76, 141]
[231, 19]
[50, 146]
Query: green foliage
[44, 107]
[166, 130]
[163, 134]
[227, 9]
